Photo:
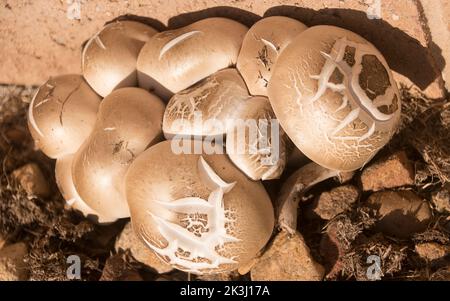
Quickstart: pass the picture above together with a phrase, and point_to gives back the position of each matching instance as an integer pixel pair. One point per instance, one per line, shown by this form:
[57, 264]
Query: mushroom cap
[262, 44]
[199, 213]
[129, 120]
[62, 114]
[109, 57]
[174, 60]
[216, 100]
[335, 97]
[256, 145]
[64, 180]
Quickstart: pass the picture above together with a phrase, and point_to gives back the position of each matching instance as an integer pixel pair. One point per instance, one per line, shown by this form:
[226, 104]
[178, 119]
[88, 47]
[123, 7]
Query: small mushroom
[109, 57]
[206, 108]
[174, 60]
[129, 120]
[198, 213]
[62, 114]
[334, 95]
[64, 180]
[256, 144]
[262, 45]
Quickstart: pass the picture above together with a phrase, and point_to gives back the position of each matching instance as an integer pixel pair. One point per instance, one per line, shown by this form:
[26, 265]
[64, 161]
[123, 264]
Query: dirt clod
[118, 268]
[32, 180]
[399, 213]
[441, 199]
[287, 258]
[12, 265]
[393, 171]
[431, 250]
[336, 201]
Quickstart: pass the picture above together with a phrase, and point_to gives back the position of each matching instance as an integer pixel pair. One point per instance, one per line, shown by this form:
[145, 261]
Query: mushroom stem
[294, 189]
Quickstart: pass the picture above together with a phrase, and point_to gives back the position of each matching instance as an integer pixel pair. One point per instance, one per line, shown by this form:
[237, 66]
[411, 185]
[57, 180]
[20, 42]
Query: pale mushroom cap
[63, 175]
[255, 144]
[62, 114]
[176, 204]
[129, 120]
[174, 60]
[262, 45]
[109, 57]
[207, 107]
[335, 97]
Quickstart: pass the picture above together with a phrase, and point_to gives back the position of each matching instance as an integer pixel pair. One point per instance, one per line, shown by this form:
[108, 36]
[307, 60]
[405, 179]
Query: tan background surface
[41, 38]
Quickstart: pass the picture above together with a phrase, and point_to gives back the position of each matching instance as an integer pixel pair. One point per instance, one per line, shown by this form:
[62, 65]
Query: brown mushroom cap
[129, 120]
[253, 146]
[109, 57]
[185, 206]
[335, 97]
[62, 114]
[213, 101]
[64, 180]
[262, 44]
[174, 60]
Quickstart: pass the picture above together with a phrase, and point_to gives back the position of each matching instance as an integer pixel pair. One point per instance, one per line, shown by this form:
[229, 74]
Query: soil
[53, 232]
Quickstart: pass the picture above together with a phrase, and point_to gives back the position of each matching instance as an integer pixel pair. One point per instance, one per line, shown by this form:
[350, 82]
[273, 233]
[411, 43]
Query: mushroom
[262, 44]
[197, 212]
[256, 144]
[62, 114]
[64, 180]
[129, 120]
[206, 108]
[109, 57]
[174, 60]
[334, 95]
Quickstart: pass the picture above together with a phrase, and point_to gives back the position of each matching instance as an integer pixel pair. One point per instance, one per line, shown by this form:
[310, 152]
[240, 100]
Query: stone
[32, 180]
[12, 265]
[431, 251]
[128, 240]
[287, 258]
[441, 199]
[393, 171]
[336, 201]
[117, 269]
[399, 213]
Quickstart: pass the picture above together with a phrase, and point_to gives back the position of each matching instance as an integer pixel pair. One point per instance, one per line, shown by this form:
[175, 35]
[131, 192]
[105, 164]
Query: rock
[32, 180]
[393, 171]
[128, 240]
[337, 200]
[12, 265]
[287, 258]
[441, 199]
[399, 213]
[233, 276]
[2, 241]
[117, 269]
[431, 250]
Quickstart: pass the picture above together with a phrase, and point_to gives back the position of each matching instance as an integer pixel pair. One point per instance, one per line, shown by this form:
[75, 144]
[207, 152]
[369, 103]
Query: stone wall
[43, 38]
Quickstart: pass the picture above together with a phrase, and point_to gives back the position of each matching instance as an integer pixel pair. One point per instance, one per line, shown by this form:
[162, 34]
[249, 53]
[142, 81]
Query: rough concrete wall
[42, 38]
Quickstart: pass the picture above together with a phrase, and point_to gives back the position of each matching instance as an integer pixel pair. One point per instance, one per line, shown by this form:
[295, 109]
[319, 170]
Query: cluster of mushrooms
[110, 129]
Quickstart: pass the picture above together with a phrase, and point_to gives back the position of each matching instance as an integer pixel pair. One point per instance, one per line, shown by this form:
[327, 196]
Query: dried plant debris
[362, 262]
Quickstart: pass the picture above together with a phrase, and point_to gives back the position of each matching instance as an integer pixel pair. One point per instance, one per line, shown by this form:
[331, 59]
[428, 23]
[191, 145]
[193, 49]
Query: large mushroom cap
[129, 120]
[262, 45]
[197, 212]
[335, 97]
[207, 107]
[176, 59]
[64, 180]
[109, 57]
[62, 114]
[256, 144]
